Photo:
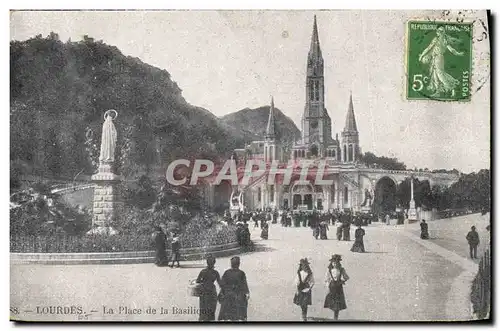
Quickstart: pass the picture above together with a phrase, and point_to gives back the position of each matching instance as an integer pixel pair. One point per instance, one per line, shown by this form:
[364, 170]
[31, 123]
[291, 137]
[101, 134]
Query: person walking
[304, 282]
[323, 228]
[335, 279]
[176, 249]
[424, 230]
[208, 292]
[473, 240]
[160, 241]
[339, 230]
[234, 294]
[264, 233]
[346, 231]
[359, 245]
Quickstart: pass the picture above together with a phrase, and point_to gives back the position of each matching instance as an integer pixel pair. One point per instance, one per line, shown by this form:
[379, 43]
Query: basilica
[352, 185]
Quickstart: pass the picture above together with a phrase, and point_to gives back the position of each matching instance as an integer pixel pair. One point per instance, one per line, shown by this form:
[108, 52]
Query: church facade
[352, 185]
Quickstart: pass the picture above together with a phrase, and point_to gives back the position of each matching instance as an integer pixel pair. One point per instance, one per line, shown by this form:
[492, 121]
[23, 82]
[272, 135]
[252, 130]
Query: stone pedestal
[107, 200]
[412, 212]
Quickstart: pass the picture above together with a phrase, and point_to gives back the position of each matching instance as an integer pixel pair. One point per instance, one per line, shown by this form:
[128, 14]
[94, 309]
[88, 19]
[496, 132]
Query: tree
[383, 162]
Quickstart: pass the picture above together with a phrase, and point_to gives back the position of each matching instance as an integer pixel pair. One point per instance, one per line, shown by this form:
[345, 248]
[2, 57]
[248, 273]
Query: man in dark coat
[234, 293]
[473, 240]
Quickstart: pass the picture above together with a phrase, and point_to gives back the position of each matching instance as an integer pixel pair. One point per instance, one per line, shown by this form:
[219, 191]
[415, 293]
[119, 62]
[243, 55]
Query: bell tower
[316, 123]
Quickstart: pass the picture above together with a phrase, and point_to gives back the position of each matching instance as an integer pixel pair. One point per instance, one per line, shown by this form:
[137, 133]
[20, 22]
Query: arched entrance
[385, 200]
[314, 151]
[302, 196]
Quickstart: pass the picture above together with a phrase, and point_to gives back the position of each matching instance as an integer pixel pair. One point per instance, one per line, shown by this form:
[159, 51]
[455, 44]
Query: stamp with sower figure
[438, 61]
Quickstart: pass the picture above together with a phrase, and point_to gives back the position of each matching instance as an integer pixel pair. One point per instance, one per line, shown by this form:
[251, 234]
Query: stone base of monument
[412, 216]
[106, 198]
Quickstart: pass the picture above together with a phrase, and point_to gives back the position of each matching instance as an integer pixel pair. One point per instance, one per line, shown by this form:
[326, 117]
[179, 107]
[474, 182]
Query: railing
[448, 213]
[481, 288]
[70, 187]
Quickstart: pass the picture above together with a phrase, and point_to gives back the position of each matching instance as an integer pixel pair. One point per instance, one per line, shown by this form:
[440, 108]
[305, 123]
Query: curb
[188, 254]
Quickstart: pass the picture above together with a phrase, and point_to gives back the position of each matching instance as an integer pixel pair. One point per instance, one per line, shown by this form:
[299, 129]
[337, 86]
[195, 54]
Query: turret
[350, 136]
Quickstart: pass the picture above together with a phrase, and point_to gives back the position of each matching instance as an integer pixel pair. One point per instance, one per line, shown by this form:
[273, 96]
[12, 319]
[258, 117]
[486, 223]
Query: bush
[61, 243]
[79, 244]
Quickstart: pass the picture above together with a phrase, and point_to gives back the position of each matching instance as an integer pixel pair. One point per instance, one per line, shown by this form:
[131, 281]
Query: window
[333, 153]
[271, 191]
[351, 153]
[259, 193]
[294, 154]
[345, 153]
[346, 195]
[314, 91]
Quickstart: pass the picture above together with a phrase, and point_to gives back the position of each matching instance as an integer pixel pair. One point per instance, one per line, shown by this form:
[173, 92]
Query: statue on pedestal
[108, 142]
[106, 191]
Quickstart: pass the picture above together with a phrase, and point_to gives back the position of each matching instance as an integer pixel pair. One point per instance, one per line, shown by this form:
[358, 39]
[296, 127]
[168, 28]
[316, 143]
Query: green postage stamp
[438, 61]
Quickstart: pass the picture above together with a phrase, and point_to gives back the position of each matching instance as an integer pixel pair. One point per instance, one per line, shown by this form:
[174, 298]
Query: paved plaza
[398, 279]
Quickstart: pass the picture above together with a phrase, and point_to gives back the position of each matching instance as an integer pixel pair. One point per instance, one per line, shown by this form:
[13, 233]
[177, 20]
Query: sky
[226, 61]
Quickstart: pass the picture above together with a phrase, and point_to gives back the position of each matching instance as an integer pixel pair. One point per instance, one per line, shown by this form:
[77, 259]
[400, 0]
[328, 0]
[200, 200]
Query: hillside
[253, 123]
[60, 90]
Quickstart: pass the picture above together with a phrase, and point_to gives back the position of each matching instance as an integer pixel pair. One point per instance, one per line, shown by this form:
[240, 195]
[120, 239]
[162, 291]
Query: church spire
[270, 129]
[350, 121]
[315, 50]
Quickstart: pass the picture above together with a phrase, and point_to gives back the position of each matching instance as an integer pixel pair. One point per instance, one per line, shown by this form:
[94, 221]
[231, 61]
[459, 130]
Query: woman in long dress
[304, 282]
[264, 233]
[339, 229]
[424, 230]
[335, 279]
[346, 231]
[439, 80]
[160, 239]
[323, 228]
[208, 292]
[358, 246]
[234, 293]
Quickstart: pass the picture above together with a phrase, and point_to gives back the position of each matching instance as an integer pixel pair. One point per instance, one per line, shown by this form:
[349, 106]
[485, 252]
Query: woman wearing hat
[208, 292]
[335, 279]
[304, 282]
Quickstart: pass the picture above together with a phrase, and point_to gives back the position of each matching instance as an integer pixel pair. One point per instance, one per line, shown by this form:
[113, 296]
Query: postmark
[438, 61]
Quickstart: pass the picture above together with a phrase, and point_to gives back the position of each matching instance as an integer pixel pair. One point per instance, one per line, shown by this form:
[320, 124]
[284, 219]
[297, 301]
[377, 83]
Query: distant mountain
[252, 124]
[60, 90]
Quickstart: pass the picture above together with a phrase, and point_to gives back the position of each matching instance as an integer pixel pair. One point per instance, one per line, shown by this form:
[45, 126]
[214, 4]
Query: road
[398, 279]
